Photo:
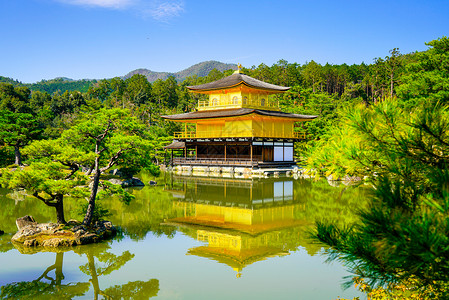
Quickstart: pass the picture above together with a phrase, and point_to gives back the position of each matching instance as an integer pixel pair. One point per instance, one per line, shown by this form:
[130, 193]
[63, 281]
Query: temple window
[215, 102]
[235, 100]
[262, 102]
[245, 100]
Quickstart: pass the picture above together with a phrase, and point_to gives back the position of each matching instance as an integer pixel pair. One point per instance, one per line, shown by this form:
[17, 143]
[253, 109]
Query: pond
[189, 238]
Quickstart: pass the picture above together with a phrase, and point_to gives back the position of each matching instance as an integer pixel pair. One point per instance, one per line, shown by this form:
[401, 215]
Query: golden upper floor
[238, 91]
[239, 99]
[241, 122]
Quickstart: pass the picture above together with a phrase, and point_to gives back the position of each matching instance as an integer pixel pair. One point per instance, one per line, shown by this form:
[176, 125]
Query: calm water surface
[189, 238]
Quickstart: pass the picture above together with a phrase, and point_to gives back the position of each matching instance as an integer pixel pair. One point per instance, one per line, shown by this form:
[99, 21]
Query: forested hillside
[62, 84]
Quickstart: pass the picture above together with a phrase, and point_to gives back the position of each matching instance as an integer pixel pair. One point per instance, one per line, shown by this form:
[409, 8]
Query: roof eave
[192, 89]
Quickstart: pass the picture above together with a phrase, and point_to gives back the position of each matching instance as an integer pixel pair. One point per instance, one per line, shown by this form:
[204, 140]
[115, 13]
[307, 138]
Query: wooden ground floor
[233, 152]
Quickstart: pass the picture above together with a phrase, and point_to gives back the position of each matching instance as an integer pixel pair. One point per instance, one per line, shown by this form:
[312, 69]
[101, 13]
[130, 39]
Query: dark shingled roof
[234, 80]
[210, 114]
[176, 145]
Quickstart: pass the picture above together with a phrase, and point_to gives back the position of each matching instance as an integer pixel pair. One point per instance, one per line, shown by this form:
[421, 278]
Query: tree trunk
[391, 85]
[58, 271]
[93, 274]
[59, 206]
[18, 159]
[91, 205]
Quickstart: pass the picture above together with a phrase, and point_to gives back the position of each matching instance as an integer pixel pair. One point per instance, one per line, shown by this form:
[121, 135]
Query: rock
[53, 235]
[79, 233]
[73, 222]
[25, 221]
[332, 177]
[116, 172]
[152, 182]
[30, 243]
[33, 229]
[137, 182]
[87, 239]
[349, 180]
[334, 183]
[127, 183]
[1, 232]
[132, 182]
[116, 181]
[352, 178]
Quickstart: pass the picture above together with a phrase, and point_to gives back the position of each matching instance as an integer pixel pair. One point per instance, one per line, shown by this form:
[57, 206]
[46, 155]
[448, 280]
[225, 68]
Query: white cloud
[115, 4]
[162, 11]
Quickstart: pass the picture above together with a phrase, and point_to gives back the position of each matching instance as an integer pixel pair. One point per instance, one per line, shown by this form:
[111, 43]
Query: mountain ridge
[200, 69]
[68, 84]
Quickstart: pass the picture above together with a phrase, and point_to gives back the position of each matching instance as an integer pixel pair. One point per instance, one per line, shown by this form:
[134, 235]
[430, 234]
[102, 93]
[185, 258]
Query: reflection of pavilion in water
[242, 221]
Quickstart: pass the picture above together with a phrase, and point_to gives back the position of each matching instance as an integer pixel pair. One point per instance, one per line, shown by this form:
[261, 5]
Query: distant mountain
[64, 79]
[150, 75]
[201, 69]
[63, 84]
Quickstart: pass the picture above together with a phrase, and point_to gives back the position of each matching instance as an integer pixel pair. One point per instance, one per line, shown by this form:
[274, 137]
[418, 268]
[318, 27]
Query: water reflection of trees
[100, 262]
[5, 243]
[154, 204]
[51, 288]
[245, 221]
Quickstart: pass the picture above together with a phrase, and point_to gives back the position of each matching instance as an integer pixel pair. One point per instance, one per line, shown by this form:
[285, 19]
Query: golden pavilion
[239, 125]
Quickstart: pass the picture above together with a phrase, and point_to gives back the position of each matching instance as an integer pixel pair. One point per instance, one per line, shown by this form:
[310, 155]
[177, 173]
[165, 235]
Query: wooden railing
[236, 102]
[238, 134]
[214, 161]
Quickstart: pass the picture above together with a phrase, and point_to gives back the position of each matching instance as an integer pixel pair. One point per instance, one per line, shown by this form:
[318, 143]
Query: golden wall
[252, 126]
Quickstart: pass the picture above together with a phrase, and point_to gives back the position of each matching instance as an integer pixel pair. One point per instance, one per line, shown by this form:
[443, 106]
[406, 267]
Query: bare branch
[101, 137]
[46, 201]
[74, 167]
[114, 159]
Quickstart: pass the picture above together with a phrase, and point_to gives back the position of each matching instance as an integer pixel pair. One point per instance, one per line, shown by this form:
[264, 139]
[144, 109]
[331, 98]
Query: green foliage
[42, 290]
[18, 128]
[45, 179]
[6, 156]
[403, 235]
[99, 211]
[14, 98]
[61, 85]
[10, 81]
[426, 77]
[153, 170]
[134, 290]
[51, 175]
[108, 190]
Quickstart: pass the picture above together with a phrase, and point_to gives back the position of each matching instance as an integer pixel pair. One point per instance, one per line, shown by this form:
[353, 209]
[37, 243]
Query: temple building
[239, 125]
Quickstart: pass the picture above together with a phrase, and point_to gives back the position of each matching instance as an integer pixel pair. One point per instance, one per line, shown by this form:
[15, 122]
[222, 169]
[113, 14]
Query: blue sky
[44, 39]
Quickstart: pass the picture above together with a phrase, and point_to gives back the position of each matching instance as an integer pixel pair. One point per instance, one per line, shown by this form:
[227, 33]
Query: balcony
[216, 161]
[225, 102]
[248, 133]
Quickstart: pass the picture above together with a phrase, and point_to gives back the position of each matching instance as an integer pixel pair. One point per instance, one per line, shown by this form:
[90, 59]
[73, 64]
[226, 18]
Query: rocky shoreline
[73, 233]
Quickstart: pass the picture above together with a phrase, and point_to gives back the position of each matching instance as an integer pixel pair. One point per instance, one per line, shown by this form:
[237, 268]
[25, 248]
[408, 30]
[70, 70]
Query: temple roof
[210, 114]
[176, 145]
[235, 80]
